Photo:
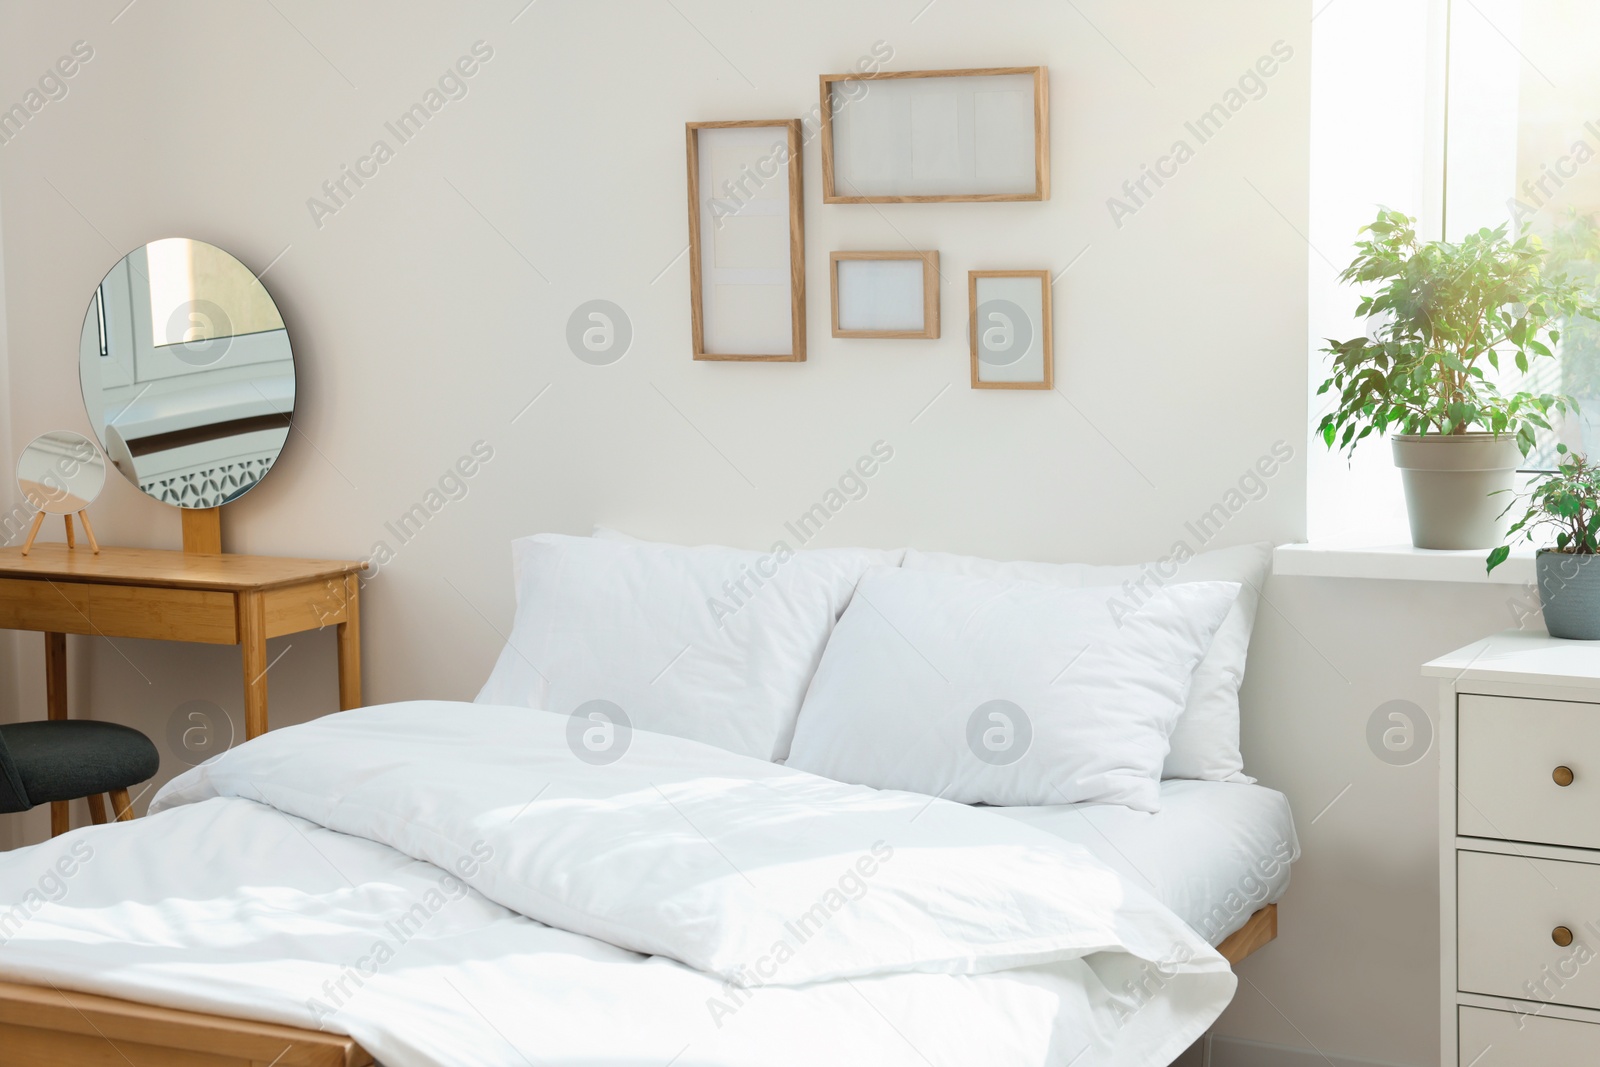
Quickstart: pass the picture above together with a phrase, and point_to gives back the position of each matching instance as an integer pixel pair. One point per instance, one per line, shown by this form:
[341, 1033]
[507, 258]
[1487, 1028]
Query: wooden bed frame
[45, 1027]
[42, 1027]
[1258, 930]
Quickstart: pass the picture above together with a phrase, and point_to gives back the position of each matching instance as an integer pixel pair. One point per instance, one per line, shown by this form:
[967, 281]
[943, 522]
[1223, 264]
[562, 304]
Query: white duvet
[449, 884]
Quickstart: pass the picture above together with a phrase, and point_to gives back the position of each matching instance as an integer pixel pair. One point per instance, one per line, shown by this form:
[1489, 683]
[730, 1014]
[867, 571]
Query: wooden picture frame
[762, 183]
[952, 130]
[1013, 348]
[929, 327]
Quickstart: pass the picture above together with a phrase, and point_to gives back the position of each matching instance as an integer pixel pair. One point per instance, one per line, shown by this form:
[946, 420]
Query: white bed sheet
[1215, 853]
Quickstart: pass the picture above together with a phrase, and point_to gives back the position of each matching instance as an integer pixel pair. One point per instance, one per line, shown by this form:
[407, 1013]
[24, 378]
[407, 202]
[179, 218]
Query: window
[1524, 148]
[190, 285]
[1465, 114]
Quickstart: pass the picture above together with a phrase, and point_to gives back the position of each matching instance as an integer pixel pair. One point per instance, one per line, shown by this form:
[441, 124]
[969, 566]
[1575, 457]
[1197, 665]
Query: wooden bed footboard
[45, 1027]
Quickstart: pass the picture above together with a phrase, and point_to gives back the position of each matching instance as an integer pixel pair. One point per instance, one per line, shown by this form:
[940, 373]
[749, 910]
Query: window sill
[1399, 563]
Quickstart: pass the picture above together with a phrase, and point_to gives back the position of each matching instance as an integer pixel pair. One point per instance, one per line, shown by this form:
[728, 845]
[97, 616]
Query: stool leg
[60, 818]
[97, 808]
[121, 805]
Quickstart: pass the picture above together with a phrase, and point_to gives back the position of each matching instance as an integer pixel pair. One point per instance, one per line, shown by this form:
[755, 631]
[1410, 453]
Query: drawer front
[1507, 911]
[1506, 1039]
[202, 615]
[1510, 752]
[57, 607]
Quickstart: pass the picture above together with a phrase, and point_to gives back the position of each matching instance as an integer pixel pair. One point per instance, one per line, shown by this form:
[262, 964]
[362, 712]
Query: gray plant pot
[1569, 589]
[1453, 487]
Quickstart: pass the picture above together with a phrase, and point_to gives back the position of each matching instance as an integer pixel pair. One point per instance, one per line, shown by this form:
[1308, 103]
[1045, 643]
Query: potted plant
[1568, 575]
[1443, 311]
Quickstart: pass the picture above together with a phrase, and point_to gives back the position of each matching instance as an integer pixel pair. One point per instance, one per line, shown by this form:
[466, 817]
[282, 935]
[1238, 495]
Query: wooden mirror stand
[72, 541]
[202, 530]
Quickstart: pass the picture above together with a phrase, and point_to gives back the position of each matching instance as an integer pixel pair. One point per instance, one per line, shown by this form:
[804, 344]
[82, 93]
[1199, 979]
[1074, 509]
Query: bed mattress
[1215, 853]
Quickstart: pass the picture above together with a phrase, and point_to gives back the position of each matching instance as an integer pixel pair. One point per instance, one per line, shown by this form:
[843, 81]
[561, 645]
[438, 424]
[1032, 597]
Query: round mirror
[61, 472]
[187, 373]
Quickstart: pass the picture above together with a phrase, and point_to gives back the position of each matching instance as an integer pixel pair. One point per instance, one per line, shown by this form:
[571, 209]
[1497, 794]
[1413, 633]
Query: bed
[255, 929]
[844, 806]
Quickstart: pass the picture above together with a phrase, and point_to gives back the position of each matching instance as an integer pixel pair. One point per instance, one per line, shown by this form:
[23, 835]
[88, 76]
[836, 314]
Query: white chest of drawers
[1519, 851]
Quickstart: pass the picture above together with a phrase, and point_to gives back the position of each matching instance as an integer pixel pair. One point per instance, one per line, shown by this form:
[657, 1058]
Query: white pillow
[1205, 743]
[712, 644]
[999, 692]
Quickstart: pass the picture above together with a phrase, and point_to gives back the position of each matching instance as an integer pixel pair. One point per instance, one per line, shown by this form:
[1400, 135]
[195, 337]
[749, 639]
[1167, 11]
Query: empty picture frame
[936, 136]
[1010, 330]
[747, 241]
[884, 294]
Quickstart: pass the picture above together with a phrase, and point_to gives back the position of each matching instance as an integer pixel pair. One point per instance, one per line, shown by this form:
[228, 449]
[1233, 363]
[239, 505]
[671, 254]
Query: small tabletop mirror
[187, 373]
[61, 473]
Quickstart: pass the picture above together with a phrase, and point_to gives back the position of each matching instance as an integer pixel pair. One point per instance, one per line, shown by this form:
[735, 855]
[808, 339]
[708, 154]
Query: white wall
[1355, 969]
[422, 324]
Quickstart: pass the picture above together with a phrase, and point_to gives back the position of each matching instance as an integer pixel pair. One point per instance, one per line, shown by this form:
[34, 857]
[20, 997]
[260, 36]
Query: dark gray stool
[65, 759]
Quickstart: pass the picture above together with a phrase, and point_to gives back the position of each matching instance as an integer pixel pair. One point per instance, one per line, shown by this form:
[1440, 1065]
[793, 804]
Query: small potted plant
[1568, 499]
[1442, 313]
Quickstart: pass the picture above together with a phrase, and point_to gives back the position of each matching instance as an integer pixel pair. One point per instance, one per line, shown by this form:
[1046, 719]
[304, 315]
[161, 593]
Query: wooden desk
[180, 596]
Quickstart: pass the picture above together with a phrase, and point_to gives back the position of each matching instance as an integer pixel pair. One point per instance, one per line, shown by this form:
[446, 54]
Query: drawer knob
[1562, 776]
[1561, 936]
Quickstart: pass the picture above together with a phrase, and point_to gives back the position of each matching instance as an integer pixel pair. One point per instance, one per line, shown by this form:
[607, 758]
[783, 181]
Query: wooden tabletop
[161, 567]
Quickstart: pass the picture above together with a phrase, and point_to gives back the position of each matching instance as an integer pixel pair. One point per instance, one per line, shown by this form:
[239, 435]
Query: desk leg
[253, 641]
[349, 636]
[55, 688]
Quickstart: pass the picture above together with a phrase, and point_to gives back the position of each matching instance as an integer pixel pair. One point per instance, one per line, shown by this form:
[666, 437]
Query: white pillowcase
[1001, 692]
[1205, 743]
[713, 644]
